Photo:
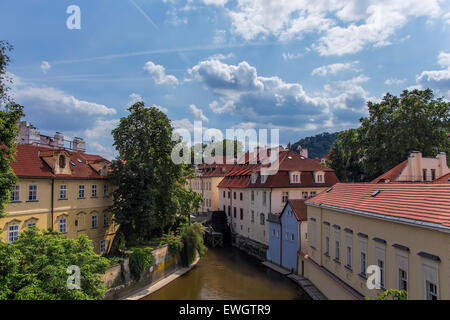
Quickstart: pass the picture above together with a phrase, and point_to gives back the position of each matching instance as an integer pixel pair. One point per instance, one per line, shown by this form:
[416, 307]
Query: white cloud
[438, 80]
[394, 82]
[134, 97]
[335, 68]
[45, 66]
[221, 56]
[345, 26]
[198, 113]
[165, 110]
[219, 36]
[158, 73]
[215, 2]
[272, 102]
[291, 56]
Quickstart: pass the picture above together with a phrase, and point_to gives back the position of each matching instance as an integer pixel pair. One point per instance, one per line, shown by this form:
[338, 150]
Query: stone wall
[119, 283]
[249, 246]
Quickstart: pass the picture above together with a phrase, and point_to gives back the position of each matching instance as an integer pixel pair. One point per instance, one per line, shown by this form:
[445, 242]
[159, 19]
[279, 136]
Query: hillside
[318, 145]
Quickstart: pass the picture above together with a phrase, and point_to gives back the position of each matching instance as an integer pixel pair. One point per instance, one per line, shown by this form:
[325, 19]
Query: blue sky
[301, 66]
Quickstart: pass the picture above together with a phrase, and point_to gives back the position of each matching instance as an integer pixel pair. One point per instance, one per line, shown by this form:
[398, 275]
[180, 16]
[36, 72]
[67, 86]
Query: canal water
[228, 273]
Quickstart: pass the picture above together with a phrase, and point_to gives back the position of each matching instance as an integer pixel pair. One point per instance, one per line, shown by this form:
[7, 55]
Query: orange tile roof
[298, 206]
[425, 203]
[36, 161]
[392, 174]
[443, 179]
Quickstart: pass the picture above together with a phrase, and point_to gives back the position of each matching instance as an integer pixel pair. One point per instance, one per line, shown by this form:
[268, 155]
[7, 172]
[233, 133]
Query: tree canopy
[149, 189]
[395, 127]
[317, 145]
[34, 267]
[10, 114]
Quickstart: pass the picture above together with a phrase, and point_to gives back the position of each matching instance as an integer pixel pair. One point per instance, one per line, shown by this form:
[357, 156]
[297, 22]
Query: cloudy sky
[301, 66]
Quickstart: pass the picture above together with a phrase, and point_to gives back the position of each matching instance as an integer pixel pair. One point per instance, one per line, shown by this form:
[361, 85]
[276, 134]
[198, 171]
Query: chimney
[79, 145]
[59, 140]
[443, 168]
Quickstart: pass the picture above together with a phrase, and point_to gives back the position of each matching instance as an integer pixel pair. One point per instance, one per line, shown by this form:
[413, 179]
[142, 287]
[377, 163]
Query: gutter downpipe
[52, 200]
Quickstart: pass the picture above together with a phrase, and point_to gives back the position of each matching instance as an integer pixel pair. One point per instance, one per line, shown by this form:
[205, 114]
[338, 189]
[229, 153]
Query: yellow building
[60, 190]
[401, 230]
[205, 181]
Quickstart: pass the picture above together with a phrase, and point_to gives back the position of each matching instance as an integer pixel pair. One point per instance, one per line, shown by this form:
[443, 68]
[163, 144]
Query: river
[228, 273]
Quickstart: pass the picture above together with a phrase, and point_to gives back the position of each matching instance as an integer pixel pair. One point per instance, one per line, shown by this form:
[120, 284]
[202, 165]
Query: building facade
[60, 189]
[400, 229]
[287, 234]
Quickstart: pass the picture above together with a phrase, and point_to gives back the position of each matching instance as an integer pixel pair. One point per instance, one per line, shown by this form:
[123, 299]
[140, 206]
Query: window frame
[62, 191]
[32, 193]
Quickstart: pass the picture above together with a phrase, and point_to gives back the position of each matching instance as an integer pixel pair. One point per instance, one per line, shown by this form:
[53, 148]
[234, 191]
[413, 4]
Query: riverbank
[304, 283]
[151, 288]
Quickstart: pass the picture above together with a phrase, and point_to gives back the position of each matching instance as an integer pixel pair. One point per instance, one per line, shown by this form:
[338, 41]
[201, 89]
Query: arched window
[62, 161]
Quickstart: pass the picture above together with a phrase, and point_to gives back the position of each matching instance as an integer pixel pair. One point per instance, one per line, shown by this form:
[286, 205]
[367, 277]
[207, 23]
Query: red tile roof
[391, 175]
[298, 206]
[424, 202]
[36, 161]
[239, 175]
[443, 179]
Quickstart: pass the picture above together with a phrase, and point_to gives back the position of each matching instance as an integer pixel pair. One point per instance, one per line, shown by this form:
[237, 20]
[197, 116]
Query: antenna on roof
[329, 189]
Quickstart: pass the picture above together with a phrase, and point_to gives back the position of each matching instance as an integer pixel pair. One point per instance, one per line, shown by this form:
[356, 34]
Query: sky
[303, 67]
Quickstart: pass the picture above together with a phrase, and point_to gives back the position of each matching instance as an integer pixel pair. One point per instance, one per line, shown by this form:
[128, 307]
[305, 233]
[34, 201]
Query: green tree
[148, 193]
[317, 145]
[395, 127]
[34, 267]
[10, 114]
[394, 294]
[192, 237]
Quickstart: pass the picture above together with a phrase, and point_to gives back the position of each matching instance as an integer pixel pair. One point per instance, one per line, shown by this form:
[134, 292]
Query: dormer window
[62, 161]
[319, 178]
[263, 178]
[253, 178]
[295, 178]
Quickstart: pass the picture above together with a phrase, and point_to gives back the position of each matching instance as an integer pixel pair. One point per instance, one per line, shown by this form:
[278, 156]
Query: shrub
[192, 236]
[140, 260]
[174, 242]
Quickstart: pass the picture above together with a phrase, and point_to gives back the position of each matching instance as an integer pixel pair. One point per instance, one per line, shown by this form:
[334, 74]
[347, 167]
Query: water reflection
[227, 273]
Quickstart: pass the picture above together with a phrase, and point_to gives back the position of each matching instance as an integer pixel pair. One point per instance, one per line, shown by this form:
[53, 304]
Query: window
[253, 178]
[349, 244]
[380, 264]
[224, 194]
[63, 192]
[363, 257]
[380, 261]
[292, 237]
[30, 224]
[253, 195]
[264, 198]
[433, 174]
[295, 178]
[32, 192]
[229, 210]
[224, 208]
[286, 235]
[402, 279]
[234, 195]
[337, 245]
[105, 220]
[431, 291]
[319, 178]
[62, 161]
[234, 212]
[103, 246]
[229, 194]
[62, 225]
[263, 178]
[242, 213]
[241, 196]
[262, 219]
[15, 193]
[253, 216]
[81, 191]
[94, 221]
[13, 233]
[285, 197]
[327, 240]
[273, 232]
[94, 191]
[105, 190]
[278, 233]
[313, 233]
[431, 282]
[304, 194]
[424, 174]
[312, 194]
